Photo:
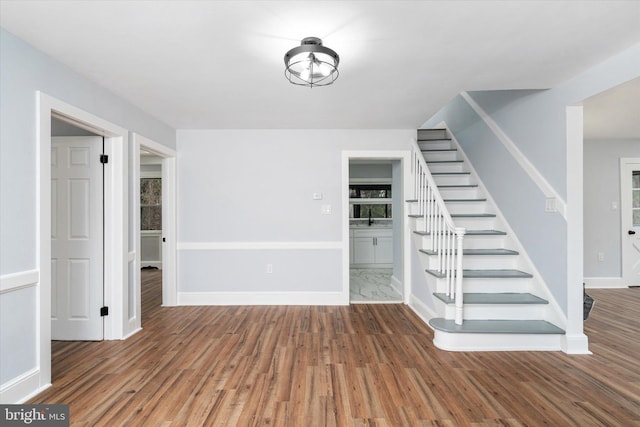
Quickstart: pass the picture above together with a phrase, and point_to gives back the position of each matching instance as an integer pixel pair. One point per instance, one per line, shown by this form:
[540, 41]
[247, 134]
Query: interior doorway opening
[375, 230]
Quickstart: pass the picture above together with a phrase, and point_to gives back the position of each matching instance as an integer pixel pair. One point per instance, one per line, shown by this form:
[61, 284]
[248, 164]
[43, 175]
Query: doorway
[375, 268]
[630, 217]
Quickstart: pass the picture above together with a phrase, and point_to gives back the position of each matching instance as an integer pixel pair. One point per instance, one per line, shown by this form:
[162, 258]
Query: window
[370, 200]
[150, 204]
[635, 204]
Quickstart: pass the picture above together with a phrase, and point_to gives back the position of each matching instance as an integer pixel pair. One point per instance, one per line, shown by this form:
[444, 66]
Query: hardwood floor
[359, 365]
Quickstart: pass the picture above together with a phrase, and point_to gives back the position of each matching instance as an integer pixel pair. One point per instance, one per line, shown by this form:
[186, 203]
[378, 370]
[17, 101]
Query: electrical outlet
[600, 256]
[269, 268]
[550, 205]
[326, 209]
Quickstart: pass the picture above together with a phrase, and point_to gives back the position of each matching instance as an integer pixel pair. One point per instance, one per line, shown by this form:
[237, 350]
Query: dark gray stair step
[450, 173]
[495, 298]
[496, 326]
[471, 233]
[474, 215]
[458, 186]
[445, 161]
[434, 150]
[463, 200]
[486, 274]
[467, 252]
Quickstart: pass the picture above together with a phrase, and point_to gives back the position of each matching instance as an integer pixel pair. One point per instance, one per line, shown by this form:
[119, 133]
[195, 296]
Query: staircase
[503, 306]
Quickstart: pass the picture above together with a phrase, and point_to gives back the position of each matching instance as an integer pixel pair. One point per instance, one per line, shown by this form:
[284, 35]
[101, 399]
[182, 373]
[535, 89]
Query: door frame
[115, 231]
[405, 166]
[625, 209]
[169, 214]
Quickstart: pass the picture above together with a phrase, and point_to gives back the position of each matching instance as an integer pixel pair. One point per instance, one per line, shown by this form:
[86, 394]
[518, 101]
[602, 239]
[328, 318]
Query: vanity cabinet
[371, 246]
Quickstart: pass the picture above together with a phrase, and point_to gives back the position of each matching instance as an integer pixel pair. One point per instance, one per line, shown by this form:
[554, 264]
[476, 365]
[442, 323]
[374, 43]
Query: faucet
[370, 219]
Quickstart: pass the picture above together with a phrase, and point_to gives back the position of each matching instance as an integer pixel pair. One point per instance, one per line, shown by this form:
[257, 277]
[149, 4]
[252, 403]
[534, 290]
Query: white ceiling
[219, 64]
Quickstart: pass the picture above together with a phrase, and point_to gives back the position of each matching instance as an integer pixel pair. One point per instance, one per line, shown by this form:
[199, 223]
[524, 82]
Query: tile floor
[372, 285]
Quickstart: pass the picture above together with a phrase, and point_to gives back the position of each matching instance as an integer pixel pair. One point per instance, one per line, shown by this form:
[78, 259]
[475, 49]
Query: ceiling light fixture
[311, 64]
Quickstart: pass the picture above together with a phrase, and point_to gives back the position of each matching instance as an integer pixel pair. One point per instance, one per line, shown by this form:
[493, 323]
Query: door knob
[632, 232]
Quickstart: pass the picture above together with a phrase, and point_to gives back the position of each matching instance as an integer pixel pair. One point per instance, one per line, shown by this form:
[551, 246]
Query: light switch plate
[317, 196]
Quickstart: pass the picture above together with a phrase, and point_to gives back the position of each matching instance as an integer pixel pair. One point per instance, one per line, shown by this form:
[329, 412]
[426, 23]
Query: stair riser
[497, 342]
[446, 167]
[470, 242]
[460, 193]
[432, 133]
[490, 262]
[467, 207]
[452, 179]
[496, 285]
[435, 145]
[498, 311]
[477, 262]
[486, 223]
[433, 156]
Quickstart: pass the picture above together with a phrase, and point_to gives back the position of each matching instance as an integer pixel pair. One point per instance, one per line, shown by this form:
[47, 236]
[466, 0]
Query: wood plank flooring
[359, 365]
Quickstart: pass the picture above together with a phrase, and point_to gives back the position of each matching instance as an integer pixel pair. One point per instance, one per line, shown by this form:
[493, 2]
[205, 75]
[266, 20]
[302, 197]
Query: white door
[630, 209]
[76, 238]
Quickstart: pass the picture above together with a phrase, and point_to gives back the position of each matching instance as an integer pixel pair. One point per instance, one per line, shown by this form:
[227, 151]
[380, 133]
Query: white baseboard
[132, 333]
[425, 313]
[575, 344]
[263, 298]
[397, 285]
[604, 283]
[22, 388]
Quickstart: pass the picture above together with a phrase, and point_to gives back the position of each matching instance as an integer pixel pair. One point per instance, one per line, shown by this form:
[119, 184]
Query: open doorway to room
[375, 231]
[150, 231]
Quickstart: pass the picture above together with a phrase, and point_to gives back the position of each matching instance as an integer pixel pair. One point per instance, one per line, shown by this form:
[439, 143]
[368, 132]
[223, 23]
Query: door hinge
[104, 158]
[104, 311]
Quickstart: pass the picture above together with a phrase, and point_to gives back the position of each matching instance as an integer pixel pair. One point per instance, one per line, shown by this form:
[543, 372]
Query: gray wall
[257, 186]
[23, 71]
[602, 227]
[536, 122]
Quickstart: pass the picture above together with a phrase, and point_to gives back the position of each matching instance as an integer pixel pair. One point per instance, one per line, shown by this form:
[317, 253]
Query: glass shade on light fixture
[311, 64]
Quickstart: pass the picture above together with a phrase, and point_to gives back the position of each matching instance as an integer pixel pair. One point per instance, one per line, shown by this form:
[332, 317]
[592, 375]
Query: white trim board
[261, 298]
[22, 388]
[249, 246]
[604, 283]
[22, 279]
[523, 161]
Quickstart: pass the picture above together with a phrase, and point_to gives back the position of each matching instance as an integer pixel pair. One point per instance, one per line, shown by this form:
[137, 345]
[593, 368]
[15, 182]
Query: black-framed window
[370, 191]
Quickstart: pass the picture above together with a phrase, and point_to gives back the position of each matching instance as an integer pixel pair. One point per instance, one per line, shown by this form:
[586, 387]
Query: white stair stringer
[507, 304]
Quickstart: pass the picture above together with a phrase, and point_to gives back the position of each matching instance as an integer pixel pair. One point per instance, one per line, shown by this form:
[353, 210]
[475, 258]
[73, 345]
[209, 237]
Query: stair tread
[433, 150]
[458, 186]
[474, 215]
[496, 326]
[464, 200]
[444, 161]
[492, 251]
[451, 173]
[471, 233]
[495, 298]
[487, 274]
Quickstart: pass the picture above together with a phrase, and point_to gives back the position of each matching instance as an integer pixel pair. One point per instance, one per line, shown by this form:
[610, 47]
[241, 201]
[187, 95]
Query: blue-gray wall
[24, 71]
[602, 223]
